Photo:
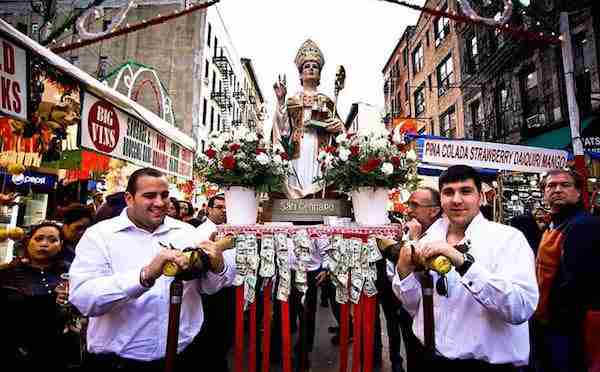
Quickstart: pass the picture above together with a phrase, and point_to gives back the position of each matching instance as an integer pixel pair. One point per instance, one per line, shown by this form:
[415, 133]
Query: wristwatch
[468, 261]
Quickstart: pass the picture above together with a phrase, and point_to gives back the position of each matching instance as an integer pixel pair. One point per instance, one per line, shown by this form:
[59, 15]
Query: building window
[212, 119]
[445, 72]
[417, 57]
[476, 125]
[531, 100]
[206, 69]
[420, 100]
[398, 102]
[406, 91]
[74, 60]
[472, 57]
[214, 81]
[448, 123]
[219, 122]
[105, 24]
[405, 57]
[209, 35]
[441, 28]
[501, 106]
[204, 104]
[215, 46]
[35, 30]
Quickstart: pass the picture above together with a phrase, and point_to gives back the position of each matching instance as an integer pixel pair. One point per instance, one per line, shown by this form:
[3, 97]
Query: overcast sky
[359, 34]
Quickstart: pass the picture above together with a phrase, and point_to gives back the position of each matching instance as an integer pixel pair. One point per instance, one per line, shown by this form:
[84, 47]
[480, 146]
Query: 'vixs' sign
[13, 89]
[103, 126]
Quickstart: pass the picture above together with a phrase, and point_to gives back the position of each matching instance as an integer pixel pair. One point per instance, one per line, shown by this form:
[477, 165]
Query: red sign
[103, 126]
[13, 88]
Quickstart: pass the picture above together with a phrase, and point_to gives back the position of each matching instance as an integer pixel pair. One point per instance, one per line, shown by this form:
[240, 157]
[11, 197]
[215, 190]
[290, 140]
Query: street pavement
[325, 356]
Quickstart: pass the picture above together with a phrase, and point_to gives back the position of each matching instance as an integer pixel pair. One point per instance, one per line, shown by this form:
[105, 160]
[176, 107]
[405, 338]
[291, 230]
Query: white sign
[111, 131]
[13, 80]
[493, 155]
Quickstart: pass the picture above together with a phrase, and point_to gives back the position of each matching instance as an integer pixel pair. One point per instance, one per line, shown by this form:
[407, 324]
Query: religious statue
[305, 122]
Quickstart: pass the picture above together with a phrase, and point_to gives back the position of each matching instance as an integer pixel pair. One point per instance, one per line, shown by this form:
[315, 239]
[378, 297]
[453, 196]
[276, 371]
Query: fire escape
[240, 96]
[223, 96]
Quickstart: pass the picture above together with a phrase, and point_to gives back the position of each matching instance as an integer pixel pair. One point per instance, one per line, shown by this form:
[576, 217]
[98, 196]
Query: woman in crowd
[34, 321]
[174, 210]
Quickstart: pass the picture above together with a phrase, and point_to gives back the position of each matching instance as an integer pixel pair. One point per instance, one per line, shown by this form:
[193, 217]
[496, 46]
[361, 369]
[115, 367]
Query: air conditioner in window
[535, 121]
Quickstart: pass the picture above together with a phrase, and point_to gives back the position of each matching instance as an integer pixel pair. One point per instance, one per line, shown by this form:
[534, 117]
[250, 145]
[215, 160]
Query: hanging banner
[13, 80]
[111, 131]
[493, 155]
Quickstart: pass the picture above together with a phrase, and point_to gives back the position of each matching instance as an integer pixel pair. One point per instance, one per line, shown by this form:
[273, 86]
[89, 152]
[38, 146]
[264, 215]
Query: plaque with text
[305, 210]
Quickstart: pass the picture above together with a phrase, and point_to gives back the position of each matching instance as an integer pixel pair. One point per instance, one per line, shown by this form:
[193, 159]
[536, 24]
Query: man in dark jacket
[568, 313]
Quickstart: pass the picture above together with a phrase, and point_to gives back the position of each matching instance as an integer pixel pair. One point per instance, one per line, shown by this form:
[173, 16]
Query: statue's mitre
[309, 51]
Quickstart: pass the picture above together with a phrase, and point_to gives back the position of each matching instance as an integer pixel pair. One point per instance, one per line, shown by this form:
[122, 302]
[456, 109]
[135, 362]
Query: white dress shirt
[126, 318]
[485, 314]
[204, 232]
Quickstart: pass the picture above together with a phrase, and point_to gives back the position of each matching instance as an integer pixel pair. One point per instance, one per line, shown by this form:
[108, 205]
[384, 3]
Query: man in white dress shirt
[481, 323]
[216, 337]
[116, 280]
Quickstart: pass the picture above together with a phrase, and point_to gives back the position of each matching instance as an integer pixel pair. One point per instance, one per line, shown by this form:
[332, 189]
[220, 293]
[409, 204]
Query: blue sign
[32, 179]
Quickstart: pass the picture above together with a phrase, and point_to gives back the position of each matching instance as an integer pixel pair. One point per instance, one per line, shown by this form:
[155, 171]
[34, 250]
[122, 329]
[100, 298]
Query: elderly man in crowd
[568, 316]
[481, 319]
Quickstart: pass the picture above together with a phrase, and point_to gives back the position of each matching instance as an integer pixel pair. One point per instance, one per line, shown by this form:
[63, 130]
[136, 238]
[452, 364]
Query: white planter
[242, 206]
[370, 206]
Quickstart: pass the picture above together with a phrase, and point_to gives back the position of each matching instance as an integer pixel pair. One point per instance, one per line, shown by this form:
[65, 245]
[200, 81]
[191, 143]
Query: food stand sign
[111, 131]
[13, 80]
[493, 155]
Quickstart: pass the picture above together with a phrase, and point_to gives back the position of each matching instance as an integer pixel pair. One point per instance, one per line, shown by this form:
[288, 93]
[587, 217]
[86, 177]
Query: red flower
[330, 149]
[396, 161]
[354, 150]
[210, 152]
[260, 150]
[403, 147]
[234, 147]
[370, 165]
[349, 135]
[228, 162]
[284, 156]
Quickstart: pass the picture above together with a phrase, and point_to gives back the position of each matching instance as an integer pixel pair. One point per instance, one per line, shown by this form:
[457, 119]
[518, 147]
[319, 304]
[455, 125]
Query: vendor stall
[511, 172]
[60, 128]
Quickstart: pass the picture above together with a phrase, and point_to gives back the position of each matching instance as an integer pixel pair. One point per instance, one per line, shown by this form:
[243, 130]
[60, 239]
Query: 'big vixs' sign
[111, 131]
[13, 80]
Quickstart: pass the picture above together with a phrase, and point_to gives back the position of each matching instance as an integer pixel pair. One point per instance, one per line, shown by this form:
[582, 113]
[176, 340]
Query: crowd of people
[90, 293]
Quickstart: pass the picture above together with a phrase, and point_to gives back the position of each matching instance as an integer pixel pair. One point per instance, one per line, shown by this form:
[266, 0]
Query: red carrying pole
[239, 329]
[267, 307]
[286, 342]
[369, 307]
[357, 345]
[252, 339]
[344, 336]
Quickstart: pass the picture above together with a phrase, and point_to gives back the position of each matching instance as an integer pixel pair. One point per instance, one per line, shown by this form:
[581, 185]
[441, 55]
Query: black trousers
[216, 336]
[187, 360]
[467, 365]
[302, 317]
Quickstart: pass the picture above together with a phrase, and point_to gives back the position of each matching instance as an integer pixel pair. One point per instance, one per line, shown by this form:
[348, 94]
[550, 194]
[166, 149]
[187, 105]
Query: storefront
[61, 131]
[511, 173]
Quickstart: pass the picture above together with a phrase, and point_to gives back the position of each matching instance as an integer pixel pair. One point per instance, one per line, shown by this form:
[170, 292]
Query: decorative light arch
[128, 75]
[115, 21]
[500, 21]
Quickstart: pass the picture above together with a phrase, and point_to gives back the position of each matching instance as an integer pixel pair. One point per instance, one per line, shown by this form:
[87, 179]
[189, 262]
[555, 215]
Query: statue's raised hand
[280, 89]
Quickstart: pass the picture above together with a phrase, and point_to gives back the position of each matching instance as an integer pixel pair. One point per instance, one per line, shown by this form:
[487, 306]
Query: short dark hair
[578, 179]
[132, 182]
[457, 173]
[75, 212]
[175, 203]
[211, 201]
